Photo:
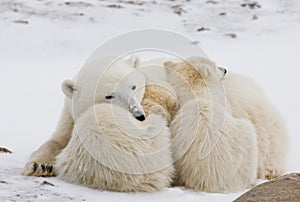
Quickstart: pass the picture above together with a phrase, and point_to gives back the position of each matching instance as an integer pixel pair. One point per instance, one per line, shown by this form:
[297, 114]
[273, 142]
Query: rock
[202, 29]
[284, 188]
[47, 183]
[254, 17]
[78, 4]
[251, 5]
[2, 149]
[231, 35]
[211, 2]
[138, 3]
[21, 21]
[177, 9]
[114, 6]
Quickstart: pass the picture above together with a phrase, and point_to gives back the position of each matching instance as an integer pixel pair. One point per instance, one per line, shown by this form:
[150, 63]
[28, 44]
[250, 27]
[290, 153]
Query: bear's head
[104, 80]
[190, 77]
[160, 99]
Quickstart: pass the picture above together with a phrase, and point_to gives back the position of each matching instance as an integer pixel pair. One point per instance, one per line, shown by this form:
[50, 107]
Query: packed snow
[44, 42]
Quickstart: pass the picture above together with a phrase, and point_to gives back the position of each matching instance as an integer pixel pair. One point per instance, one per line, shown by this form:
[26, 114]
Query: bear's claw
[271, 174]
[39, 170]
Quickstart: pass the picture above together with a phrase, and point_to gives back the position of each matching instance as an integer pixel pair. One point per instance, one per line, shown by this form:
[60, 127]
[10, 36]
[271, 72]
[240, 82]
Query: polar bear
[111, 150]
[124, 86]
[159, 97]
[213, 151]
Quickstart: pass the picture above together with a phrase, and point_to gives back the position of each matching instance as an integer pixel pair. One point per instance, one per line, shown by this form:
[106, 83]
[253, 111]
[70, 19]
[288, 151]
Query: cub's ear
[223, 71]
[68, 87]
[204, 66]
[134, 61]
[169, 66]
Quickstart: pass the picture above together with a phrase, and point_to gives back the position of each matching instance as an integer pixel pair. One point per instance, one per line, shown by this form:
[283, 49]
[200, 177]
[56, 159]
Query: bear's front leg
[42, 160]
[41, 163]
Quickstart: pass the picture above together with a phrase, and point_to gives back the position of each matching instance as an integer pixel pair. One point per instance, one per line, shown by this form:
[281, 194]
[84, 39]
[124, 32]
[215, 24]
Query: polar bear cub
[111, 150]
[213, 151]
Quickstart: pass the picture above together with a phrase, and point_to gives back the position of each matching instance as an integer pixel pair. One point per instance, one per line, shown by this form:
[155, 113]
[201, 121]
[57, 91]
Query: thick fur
[245, 106]
[213, 151]
[209, 158]
[158, 99]
[92, 166]
[81, 93]
[111, 150]
[248, 101]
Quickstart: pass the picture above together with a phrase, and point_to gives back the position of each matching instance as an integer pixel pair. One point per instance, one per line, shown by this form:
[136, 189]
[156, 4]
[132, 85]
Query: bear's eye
[133, 87]
[108, 97]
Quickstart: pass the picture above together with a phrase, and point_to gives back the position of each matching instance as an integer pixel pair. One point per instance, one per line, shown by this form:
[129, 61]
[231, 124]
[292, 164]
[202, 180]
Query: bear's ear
[205, 67]
[223, 71]
[68, 87]
[169, 66]
[134, 61]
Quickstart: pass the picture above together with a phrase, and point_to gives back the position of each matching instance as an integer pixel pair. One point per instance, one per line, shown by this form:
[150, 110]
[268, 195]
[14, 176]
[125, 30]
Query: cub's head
[160, 99]
[195, 70]
[106, 81]
[190, 76]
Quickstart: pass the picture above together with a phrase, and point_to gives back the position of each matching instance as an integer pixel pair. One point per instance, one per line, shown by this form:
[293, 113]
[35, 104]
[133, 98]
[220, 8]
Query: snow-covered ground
[43, 42]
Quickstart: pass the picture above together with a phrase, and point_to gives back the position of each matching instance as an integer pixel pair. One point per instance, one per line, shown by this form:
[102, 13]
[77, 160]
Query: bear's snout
[140, 118]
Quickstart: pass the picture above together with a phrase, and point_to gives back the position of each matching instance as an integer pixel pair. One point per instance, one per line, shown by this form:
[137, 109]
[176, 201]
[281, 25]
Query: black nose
[140, 118]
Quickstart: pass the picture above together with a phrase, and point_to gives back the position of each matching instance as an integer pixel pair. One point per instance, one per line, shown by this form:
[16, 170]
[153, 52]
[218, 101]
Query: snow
[36, 58]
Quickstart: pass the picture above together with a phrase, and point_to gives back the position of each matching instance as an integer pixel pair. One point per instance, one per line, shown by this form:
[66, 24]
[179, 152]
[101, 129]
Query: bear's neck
[203, 90]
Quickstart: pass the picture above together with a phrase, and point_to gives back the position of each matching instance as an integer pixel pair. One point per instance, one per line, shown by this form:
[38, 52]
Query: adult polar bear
[110, 150]
[124, 86]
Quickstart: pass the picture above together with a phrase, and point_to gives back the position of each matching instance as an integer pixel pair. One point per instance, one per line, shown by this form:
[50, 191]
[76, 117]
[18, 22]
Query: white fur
[159, 95]
[248, 101]
[111, 150]
[252, 141]
[83, 91]
[125, 156]
[102, 77]
[209, 157]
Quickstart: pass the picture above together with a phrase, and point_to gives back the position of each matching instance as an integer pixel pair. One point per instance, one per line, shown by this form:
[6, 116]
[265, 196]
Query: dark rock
[251, 5]
[78, 4]
[138, 3]
[211, 2]
[254, 17]
[202, 29]
[114, 6]
[2, 149]
[284, 188]
[177, 9]
[47, 183]
[21, 21]
[231, 35]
